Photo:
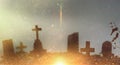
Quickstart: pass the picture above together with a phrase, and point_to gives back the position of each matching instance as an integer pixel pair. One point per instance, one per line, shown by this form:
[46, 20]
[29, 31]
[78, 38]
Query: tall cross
[37, 30]
[21, 47]
[87, 49]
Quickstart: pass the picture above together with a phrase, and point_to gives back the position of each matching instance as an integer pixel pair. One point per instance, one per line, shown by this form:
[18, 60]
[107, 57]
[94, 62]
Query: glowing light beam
[60, 12]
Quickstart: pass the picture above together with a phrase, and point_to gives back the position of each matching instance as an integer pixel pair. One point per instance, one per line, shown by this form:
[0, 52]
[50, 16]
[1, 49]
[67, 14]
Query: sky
[90, 18]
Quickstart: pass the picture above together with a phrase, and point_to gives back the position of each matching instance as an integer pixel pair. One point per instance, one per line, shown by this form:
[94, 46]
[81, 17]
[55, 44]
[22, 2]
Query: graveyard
[39, 56]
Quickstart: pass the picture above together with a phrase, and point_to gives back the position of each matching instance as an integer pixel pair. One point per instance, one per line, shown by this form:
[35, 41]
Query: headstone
[73, 42]
[8, 48]
[107, 49]
[8, 52]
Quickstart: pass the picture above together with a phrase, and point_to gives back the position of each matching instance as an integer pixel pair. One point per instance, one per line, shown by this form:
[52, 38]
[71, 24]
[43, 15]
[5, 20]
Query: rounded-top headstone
[107, 48]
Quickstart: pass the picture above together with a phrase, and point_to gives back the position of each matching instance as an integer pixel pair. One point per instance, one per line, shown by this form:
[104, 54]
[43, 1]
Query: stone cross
[21, 47]
[37, 30]
[87, 49]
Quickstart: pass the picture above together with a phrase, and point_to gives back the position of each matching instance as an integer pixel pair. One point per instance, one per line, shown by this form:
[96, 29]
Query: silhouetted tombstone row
[73, 47]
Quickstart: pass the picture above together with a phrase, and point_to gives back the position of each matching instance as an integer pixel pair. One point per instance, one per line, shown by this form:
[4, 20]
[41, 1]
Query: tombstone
[8, 52]
[107, 49]
[87, 49]
[38, 49]
[8, 48]
[21, 48]
[73, 42]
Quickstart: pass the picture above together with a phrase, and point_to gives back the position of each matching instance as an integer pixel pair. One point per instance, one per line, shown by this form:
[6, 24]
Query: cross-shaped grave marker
[21, 47]
[87, 49]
